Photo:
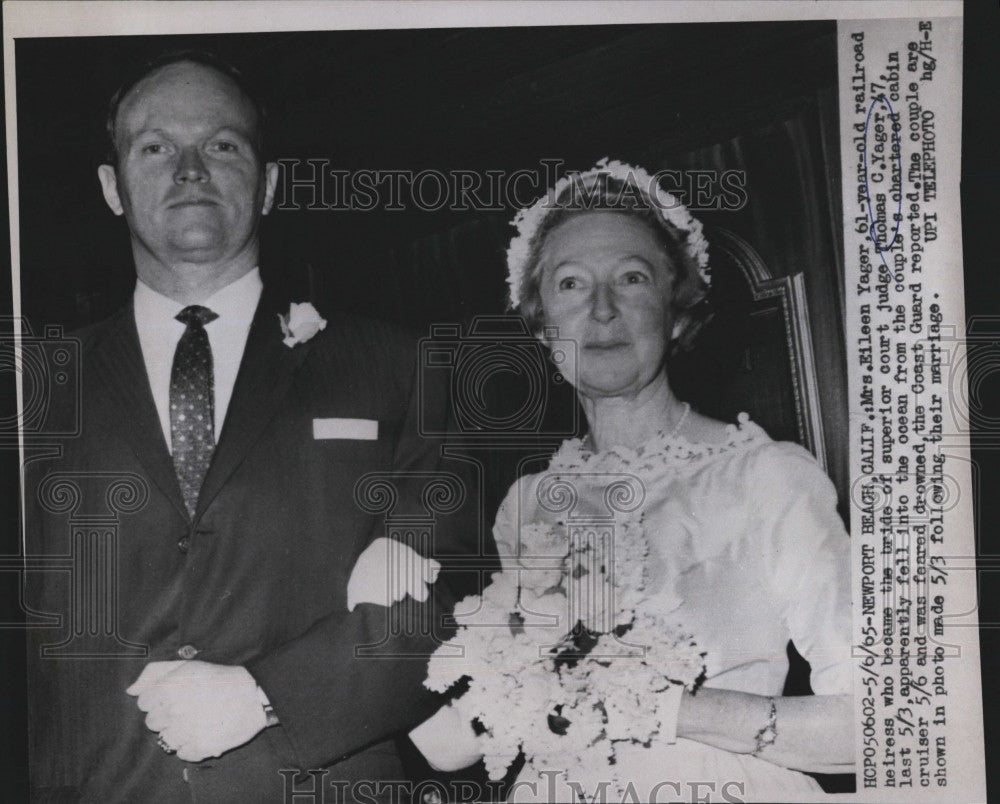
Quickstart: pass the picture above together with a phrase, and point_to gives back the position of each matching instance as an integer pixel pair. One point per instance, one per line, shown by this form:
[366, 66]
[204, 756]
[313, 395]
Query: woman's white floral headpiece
[669, 206]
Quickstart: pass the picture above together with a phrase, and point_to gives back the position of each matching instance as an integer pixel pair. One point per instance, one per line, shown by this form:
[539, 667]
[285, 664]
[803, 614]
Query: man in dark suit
[239, 439]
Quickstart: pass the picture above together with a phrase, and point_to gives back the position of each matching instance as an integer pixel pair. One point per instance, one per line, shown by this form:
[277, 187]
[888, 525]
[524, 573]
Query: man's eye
[568, 283]
[153, 148]
[225, 147]
[635, 278]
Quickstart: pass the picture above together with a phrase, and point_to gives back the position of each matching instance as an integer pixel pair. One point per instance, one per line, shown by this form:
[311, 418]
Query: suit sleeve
[355, 679]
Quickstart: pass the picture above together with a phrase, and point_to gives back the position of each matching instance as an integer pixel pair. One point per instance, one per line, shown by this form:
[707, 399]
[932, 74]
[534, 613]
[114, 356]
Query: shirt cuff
[271, 719]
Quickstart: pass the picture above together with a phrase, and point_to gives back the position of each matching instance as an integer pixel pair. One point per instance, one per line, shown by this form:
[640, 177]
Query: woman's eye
[635, 278]
[568, 283]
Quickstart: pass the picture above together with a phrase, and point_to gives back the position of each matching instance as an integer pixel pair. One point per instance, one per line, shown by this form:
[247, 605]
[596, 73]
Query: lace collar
[662, 449]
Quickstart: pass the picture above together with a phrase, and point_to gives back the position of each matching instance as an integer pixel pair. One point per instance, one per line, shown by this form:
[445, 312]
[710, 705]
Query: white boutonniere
[301, 323]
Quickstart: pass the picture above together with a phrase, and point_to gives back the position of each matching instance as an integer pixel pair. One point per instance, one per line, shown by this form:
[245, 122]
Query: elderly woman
[745, 545]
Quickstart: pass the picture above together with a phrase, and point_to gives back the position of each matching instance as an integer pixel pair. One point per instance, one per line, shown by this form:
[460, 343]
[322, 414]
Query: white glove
[200, 709]
[387, 571]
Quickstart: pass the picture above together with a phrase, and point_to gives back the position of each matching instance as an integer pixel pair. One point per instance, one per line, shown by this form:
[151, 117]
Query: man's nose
[190, 167]
[603, 306]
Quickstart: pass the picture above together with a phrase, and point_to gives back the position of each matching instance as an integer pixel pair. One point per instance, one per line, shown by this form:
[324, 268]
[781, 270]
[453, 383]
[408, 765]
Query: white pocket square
[387, 571]
[354, 429]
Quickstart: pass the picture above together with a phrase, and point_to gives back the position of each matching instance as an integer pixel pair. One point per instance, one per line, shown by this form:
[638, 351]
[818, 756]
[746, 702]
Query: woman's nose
[190, 167]
[603, 307]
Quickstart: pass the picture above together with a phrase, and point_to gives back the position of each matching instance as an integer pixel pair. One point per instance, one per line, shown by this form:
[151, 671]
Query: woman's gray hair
[689, 291]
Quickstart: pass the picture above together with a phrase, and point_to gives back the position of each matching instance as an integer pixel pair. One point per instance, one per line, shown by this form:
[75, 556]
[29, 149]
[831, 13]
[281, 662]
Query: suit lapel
[263, 380]
[118, 365]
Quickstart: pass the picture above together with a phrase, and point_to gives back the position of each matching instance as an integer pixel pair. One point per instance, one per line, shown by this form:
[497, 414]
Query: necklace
[680, 422]
[588, 441]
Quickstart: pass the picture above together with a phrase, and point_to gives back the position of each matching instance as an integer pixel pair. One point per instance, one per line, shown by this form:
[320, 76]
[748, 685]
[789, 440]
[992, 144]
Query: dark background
[757, 97]
[477, 99]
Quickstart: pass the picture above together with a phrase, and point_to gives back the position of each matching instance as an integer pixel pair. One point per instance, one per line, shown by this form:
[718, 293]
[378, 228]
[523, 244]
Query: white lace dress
[747, 547]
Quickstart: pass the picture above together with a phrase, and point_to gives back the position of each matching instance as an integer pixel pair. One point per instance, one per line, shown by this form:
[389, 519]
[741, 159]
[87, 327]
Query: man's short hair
[204, 58]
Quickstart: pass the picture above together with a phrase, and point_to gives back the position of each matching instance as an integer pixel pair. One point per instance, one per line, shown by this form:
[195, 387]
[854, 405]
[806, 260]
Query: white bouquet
[560, 657]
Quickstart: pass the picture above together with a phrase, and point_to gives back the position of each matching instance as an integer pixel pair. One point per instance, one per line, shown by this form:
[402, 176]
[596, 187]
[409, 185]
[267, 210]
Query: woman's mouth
[605, 346]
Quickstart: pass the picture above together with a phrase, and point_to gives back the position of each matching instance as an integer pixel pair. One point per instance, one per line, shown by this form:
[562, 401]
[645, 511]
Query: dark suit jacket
[257, 579]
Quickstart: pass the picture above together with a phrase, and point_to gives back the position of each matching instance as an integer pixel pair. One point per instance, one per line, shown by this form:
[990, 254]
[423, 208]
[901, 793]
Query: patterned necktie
[192, 393]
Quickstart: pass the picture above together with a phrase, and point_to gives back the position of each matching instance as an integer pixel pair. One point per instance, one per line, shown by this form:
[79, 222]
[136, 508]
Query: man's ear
[109, 185]
[270, 184]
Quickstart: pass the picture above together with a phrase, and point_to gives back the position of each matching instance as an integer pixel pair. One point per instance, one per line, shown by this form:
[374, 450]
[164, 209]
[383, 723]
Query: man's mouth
[193, 202]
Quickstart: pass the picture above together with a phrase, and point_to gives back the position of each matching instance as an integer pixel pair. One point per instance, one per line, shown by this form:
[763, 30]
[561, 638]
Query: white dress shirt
[160, 331]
